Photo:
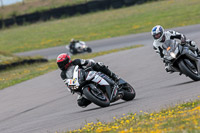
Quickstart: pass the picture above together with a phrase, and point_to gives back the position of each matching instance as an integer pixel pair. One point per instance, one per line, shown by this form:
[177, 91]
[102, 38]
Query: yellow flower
[127, 121]
[135, 27]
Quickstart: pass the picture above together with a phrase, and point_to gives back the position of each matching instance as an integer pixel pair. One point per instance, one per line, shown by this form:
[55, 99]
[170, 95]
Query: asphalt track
[43, 104]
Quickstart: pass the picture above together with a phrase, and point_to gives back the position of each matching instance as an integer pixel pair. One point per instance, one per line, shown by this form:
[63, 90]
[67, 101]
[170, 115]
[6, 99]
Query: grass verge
[104, 24]
[183, 118]
[16, 75]
[10, 60]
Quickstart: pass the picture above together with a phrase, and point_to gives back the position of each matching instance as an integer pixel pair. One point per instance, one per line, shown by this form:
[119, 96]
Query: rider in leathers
[64, 62]
[73, 43]
[160, 36]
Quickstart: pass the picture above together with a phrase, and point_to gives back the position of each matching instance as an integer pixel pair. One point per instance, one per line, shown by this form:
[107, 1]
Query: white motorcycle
[80, 47]
[97, 87]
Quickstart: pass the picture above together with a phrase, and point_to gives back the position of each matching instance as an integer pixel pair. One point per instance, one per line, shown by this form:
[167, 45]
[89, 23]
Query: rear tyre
[188, 71]
[96, 96]
[129, 92]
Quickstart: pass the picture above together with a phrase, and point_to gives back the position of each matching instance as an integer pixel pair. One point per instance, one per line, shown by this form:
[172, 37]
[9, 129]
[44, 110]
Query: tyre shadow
[180, 84]
[111, 105]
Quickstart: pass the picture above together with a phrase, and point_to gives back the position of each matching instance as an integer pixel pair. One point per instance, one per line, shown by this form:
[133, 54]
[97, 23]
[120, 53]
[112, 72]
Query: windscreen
[69, 72]
[169, 45]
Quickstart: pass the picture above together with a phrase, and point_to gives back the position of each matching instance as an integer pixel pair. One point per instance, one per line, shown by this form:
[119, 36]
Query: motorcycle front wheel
[96, 96]
[89, 50]
[129, 92]
[189, 71]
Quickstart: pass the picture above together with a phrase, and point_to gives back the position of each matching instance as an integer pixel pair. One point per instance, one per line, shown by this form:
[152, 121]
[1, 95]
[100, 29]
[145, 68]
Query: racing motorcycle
[182, 59]
[98, 87]
[80, 47]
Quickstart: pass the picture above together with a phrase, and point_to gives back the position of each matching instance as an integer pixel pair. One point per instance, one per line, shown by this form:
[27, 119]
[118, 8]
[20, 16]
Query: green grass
[18, 74]
[7, 58]
[104, 24]
[183, 118]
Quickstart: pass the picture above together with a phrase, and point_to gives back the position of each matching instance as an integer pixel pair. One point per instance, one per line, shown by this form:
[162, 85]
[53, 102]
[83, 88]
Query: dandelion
[127, 121]
[135, 27]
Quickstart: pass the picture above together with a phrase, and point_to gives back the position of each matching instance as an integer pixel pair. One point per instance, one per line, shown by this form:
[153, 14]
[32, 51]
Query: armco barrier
[82, 8]
[19, 20]
[8, 22]
[117, 3]
[44, 16]
[1, 24]
[129, 2]
[65, 11]
[31, 18]
[98, 5]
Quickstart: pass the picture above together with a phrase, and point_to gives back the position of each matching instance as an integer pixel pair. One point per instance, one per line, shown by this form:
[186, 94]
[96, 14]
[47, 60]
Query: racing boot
[83, 102]
[193, 46]
[115, 77]
[198, 52]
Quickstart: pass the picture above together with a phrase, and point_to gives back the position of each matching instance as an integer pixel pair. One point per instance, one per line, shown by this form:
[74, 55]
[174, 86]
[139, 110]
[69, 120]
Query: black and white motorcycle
[80, 47]
[98, 87]
[182, 59]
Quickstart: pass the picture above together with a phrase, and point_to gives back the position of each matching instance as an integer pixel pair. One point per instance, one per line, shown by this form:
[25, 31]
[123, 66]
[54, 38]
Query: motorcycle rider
[64, 62]
[160, 36]
[72, 43]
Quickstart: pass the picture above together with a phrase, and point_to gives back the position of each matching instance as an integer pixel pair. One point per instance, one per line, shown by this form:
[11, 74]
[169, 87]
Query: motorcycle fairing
[107, 88]
[93, 75]
[80, 45]
[193, 57]
[173, 46]
[121, 81]
[74, 80]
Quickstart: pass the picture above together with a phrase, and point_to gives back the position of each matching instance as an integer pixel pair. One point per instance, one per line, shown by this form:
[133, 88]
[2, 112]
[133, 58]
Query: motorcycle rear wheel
[187, 71]
[98, 98]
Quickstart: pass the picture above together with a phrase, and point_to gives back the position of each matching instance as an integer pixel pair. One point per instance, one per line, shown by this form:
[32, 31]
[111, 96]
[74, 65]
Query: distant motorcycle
[182, 59]
[80, 47]
[98, 87]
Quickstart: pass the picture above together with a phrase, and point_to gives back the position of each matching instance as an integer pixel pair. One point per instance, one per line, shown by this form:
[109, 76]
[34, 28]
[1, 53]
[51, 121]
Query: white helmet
[72, 40]
[157, 32]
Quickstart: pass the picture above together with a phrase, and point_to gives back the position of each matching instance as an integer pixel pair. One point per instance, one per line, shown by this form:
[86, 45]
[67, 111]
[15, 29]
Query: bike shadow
[180, 84]
[97, 108]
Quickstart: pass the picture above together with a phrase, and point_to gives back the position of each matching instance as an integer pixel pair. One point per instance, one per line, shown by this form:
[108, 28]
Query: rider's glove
[183, 40]
[168, 68]
[165, 61]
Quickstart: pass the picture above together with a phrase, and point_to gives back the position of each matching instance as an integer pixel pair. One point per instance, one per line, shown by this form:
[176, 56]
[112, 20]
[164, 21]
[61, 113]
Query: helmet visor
[157, 36]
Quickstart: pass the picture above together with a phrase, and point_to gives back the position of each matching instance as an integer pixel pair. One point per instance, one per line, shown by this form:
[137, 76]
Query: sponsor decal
[74, 80]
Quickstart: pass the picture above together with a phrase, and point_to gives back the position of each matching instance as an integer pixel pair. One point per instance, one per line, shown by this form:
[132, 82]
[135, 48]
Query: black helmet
[63, 61]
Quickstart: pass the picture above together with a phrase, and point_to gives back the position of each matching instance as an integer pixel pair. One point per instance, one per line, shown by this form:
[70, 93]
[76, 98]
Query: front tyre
[129, 92]
[188, 71]
[89, 50]
[96, 96]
